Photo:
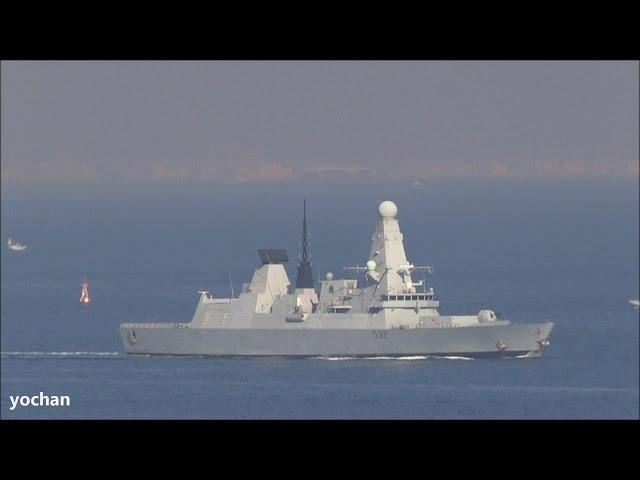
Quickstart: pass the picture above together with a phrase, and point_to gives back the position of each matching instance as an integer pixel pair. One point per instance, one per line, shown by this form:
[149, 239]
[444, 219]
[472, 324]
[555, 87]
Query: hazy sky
[70, 122]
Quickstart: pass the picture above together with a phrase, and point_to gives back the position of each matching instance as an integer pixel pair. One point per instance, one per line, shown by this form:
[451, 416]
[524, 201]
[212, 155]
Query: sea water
[566, 251]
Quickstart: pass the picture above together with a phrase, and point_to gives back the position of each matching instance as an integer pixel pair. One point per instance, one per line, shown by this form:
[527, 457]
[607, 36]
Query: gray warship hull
[512, 340]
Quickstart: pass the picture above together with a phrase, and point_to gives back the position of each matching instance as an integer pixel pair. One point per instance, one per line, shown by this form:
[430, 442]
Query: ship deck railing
[154, 325]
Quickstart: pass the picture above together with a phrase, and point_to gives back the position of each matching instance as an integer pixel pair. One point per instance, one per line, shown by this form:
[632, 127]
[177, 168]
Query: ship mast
[304, 278]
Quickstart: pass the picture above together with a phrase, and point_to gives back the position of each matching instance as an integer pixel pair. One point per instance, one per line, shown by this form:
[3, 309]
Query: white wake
[416, 357]
[60, 354]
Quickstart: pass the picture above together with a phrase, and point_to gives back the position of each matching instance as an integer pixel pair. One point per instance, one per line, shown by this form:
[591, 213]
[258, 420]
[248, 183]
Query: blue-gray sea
[564, 250]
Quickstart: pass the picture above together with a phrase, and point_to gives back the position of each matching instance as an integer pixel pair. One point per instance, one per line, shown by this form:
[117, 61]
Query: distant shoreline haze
[233, 122]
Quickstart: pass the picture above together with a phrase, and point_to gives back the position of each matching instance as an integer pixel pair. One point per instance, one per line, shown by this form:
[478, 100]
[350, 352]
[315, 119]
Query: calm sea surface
[564, 251]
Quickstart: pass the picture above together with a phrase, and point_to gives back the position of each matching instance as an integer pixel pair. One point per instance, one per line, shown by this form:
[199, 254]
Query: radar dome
[387, 209]
[329, 276]
[371, 265]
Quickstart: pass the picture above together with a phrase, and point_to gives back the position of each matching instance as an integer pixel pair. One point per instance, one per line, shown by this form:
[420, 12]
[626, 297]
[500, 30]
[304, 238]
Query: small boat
[84, 295]
[16, 247]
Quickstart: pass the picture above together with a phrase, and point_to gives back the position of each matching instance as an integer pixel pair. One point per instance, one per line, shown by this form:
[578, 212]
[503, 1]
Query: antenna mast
[231, 285]
[304, 278]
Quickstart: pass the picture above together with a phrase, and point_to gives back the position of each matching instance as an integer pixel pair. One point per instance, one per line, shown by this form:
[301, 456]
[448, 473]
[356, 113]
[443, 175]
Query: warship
[381, 312]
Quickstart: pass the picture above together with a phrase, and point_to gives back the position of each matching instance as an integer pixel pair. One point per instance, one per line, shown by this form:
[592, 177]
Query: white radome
[387, 209]
[371, 265]
[329, 276]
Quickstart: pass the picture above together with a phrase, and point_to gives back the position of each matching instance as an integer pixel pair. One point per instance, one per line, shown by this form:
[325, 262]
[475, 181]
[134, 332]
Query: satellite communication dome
[371, 265]
[387, 209]
[329, 276]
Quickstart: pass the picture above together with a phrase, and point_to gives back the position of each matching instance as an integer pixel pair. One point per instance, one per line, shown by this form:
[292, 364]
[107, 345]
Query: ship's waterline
[384, 313]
